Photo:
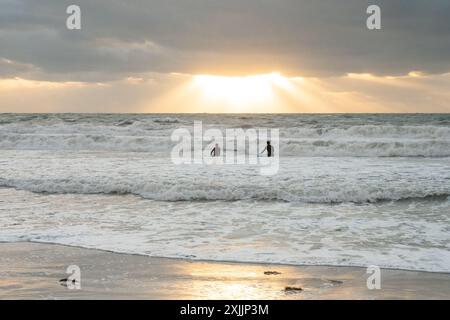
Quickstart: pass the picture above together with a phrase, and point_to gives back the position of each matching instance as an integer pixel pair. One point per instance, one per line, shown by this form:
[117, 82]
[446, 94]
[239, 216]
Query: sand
[34, 271]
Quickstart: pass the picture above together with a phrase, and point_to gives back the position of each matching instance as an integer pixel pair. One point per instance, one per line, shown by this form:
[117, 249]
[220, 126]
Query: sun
[242, 91]
[257, 93]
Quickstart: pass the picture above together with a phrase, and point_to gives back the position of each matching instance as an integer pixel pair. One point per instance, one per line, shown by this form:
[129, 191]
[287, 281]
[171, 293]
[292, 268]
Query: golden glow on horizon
[263, 93]
[20, 83]
[240, 93]
[275, 93]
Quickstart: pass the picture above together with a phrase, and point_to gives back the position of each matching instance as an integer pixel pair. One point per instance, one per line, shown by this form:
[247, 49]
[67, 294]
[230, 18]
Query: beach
[34, 271]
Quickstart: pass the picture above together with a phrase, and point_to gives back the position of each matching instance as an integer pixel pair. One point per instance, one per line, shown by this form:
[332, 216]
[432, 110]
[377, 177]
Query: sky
[225, 56]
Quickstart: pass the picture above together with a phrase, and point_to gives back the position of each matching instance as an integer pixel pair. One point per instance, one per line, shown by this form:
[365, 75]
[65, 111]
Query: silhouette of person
[269, 149]
[215, 152]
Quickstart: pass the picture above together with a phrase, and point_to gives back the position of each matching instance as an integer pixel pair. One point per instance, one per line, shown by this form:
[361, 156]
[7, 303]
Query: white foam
[69, 161]
[321, 137]
[326, 180]
[393, 235]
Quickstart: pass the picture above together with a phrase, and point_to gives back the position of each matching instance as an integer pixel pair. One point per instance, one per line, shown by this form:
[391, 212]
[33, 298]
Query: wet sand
[34, 271]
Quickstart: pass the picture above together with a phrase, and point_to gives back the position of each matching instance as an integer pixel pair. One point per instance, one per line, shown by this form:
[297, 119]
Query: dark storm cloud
[297, 37]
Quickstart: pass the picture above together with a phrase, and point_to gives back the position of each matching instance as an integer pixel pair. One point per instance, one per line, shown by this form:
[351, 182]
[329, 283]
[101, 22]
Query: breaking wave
[204, 191]
[300, 135]
[288, 146]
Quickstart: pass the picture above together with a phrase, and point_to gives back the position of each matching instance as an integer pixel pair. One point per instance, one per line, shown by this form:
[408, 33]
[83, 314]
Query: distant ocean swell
[360, 142]
[421, 135]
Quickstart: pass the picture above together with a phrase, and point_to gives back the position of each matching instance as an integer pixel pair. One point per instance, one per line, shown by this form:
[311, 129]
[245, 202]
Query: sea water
[353, 190]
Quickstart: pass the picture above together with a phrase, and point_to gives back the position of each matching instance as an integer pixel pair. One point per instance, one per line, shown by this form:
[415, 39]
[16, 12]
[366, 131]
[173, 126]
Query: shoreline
[280, 264]
[30, 270]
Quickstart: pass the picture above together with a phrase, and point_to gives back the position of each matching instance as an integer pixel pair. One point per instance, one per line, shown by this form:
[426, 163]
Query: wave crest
[204, 191]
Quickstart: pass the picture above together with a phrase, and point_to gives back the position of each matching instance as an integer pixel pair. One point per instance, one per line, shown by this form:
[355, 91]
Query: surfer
[269, 149]
[215, 152]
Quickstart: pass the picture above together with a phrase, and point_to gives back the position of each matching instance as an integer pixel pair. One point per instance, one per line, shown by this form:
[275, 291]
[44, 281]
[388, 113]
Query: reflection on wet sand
[33, 271]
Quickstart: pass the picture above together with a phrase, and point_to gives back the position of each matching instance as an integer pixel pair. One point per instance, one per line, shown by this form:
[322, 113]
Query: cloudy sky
[225, 56]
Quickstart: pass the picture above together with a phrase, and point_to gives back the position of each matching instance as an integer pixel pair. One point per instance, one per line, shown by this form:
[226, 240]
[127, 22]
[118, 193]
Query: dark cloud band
[296, 37]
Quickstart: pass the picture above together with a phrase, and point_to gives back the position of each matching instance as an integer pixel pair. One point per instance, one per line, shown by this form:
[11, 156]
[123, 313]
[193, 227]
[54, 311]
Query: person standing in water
[269, 149]
[215, 152]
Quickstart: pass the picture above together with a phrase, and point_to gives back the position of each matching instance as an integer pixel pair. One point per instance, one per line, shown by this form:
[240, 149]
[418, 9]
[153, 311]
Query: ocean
[351, 189]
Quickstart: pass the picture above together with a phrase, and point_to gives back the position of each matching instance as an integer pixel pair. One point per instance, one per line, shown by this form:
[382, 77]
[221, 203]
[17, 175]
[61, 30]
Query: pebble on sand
[293, 289]
[271, 273]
